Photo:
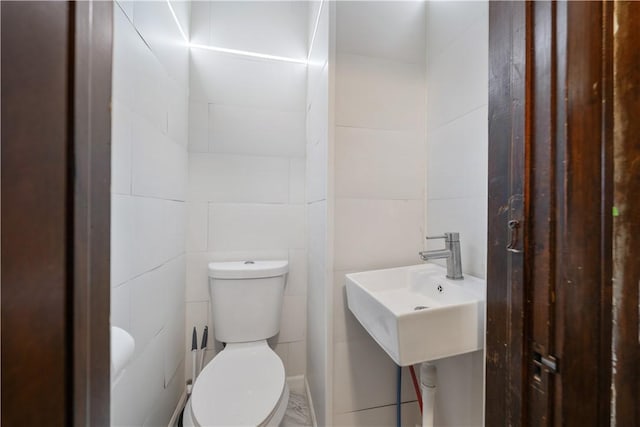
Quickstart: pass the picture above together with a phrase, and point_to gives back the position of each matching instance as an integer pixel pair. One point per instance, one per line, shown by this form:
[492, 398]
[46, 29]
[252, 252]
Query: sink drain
[419, 307]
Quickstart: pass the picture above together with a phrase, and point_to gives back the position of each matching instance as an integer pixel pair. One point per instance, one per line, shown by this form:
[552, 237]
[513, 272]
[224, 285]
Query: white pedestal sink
[416, 314]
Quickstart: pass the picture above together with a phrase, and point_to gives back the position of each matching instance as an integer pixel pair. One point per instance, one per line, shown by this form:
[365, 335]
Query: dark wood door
[35, 207]
[626, 226]
[549, 273]
[56, 91]
[505, 353]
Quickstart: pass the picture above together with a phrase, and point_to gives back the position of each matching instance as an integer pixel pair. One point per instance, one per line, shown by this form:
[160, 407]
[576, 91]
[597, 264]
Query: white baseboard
[176, 413]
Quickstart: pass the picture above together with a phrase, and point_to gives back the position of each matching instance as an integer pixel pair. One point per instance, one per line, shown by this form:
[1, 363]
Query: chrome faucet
[451, 253]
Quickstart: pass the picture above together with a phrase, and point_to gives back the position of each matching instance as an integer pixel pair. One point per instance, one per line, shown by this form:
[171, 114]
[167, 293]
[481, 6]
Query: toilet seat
[242, 386]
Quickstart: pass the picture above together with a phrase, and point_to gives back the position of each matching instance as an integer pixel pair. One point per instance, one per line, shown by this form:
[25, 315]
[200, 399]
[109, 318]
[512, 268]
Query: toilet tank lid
[247, 269]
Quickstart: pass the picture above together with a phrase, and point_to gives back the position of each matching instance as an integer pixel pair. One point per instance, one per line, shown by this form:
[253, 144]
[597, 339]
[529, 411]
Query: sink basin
[416, 314]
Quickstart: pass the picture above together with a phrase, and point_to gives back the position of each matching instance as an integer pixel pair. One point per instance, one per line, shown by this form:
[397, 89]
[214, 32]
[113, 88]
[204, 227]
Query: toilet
[244, 384]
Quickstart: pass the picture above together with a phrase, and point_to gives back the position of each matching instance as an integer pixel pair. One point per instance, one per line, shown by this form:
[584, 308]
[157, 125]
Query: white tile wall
[454, 168]
[256, 131]
[297, 358]
[178, 114]
[197, 285]
[380, 416]
[159, 166]
[296, 181]
[149, 180]
[173, 335]
[374, 29]
[148, 76]
[317, 127]
[460, 388]
[319, 52]
[457, 126]
[316, 171]
[461, 71]
[373, 233]
[246, 188]
[127, 7]
[197, 226]
[447, 21]
[281, 85]
[198, 125]
[121, 131]
[148, 300]
[378, 93]
[121, 307]
[274, 28]
[365, 377]
[153, 296]
[318, 355]
[318, 316]
[200, 31]
[142, 384]
[380, 164]
[297, 278]
[457, 79]
[164, 406]
[235, 178]
[346, 327]
[126, 44]
[294, 314]
[155, 24]
[379, 199]
[236, 227]
[146, 233]
[182, 10]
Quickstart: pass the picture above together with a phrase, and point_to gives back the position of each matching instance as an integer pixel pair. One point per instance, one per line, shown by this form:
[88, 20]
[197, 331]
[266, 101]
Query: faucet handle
[436, 237]
[448, 236]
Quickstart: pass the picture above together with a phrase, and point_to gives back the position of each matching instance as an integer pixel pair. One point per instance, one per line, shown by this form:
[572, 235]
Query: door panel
[548, 306]
[56, 91]
[505, 275]
[626, 226]
[541, 209]
[36, 344]
[584, 216]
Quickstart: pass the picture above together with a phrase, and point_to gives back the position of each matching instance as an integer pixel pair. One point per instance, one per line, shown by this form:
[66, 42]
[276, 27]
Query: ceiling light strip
[175, 18]
[315, 29]
[247, 53]
[236, 51]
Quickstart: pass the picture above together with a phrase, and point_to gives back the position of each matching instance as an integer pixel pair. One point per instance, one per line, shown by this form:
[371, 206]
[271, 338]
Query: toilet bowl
[244, 384]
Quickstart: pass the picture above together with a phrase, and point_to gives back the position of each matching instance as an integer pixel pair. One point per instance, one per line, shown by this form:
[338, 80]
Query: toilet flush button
[249, 262]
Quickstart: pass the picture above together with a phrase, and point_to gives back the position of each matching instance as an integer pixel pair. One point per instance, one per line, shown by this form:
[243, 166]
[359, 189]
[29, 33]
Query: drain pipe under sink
[428, 384]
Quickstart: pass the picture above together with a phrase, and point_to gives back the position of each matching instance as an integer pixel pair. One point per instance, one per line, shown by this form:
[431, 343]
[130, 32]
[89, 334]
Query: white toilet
[244, 385]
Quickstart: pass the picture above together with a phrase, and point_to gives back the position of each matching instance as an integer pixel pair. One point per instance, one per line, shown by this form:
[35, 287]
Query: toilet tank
[246, 299]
